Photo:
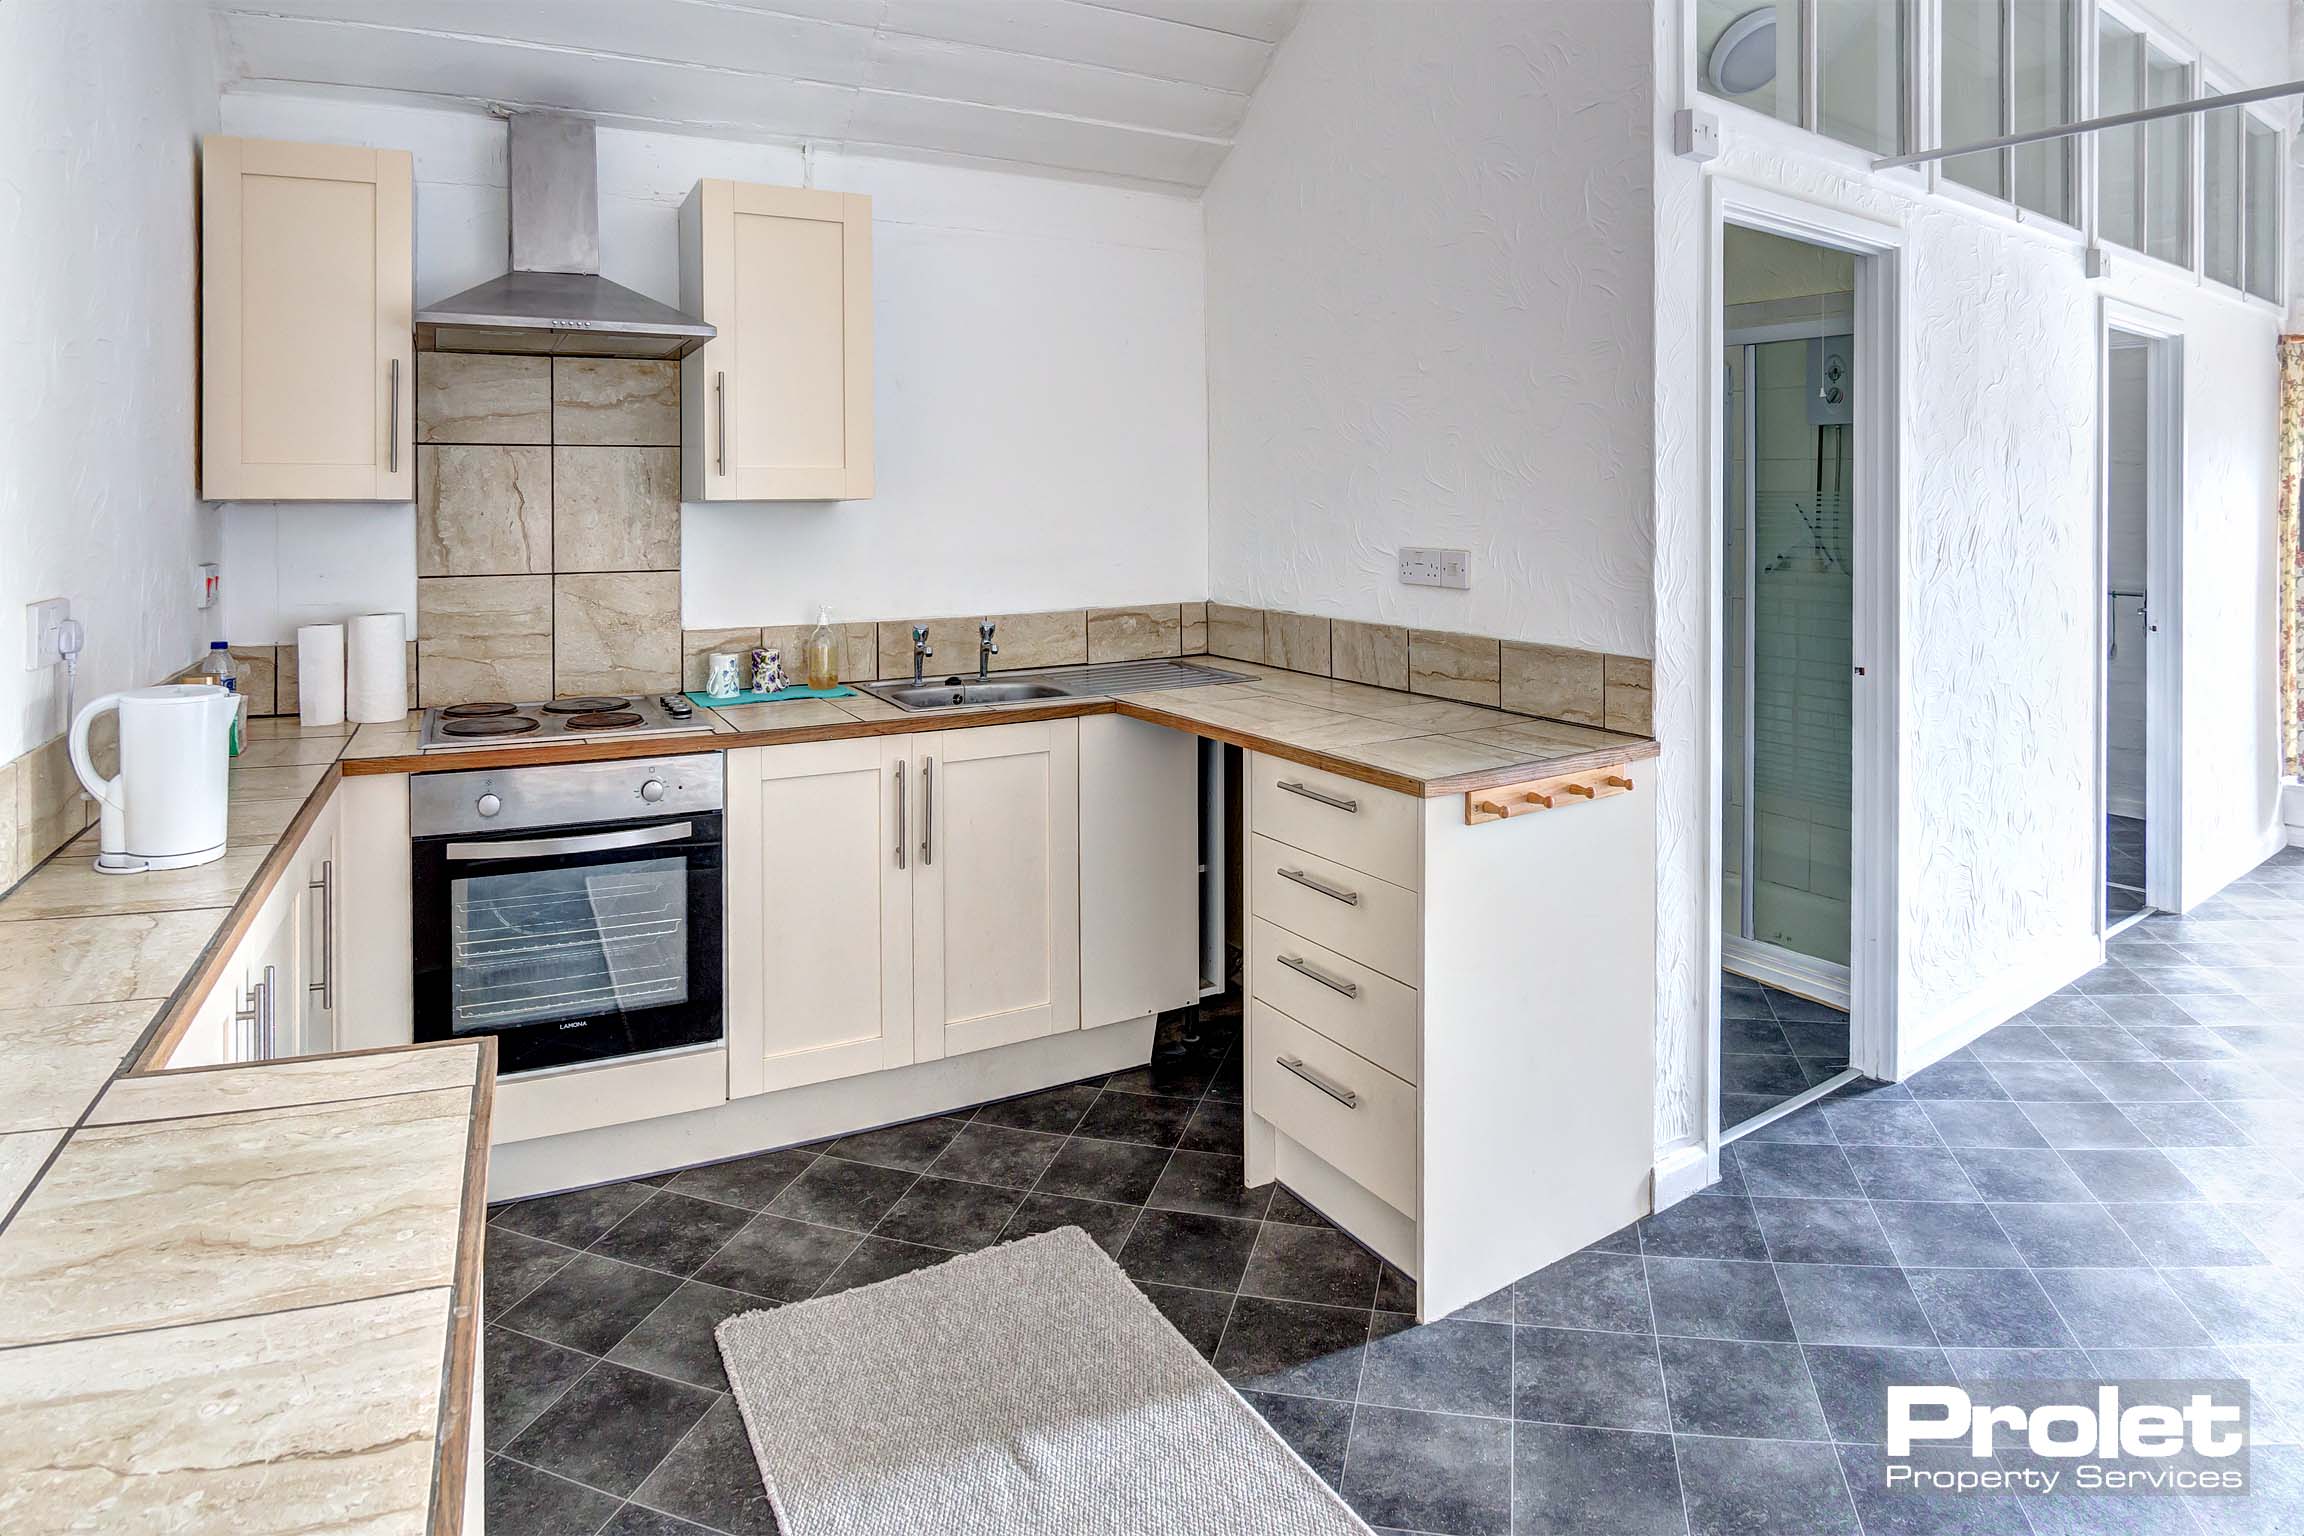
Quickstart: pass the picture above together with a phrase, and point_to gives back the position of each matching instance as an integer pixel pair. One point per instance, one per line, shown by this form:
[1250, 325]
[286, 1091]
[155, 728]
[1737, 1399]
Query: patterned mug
[768, 670]
[725, 680]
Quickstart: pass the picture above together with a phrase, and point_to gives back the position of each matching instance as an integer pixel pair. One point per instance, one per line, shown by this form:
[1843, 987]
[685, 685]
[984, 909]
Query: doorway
[1789, 564]
[2138, 537]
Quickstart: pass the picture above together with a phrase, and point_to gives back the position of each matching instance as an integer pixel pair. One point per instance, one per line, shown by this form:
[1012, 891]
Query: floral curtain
[2291, 553]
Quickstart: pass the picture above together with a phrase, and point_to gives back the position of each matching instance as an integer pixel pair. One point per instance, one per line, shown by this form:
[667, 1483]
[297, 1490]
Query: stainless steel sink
[949, 694]
[1055, 683]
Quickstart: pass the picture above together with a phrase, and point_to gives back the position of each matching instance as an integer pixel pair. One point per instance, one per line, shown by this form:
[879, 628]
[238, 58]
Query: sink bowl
[948, 695]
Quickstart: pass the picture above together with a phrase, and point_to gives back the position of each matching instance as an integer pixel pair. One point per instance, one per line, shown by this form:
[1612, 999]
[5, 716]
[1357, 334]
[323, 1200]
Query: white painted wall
[1999, 609]
[1040, 400]
[1429, 321]
[101, 105]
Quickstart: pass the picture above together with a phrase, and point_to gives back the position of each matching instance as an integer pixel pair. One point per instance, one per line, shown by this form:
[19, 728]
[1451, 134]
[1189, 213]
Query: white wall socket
[1436, 568]
[41, 621]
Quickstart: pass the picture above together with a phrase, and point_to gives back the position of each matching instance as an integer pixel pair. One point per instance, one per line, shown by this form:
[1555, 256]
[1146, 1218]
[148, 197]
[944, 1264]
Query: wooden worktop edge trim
[163, 1033]
[452, 1446]
[722, 741]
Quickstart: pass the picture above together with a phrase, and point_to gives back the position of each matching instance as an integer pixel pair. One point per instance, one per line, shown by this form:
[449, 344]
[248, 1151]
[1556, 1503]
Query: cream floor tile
[278, 727]
[59, 1059]
[1438, 716]
[276, 783]
[248, 823]
[21, 1155]
[1546, 738]
[257, 1426]
[290, 752]
[72, 887]
[100, 959]
[863, 706]
[146, 1226]
[1347, 731]
[282, 1084]
[377, 743]
[1432, 757]
[785, 714]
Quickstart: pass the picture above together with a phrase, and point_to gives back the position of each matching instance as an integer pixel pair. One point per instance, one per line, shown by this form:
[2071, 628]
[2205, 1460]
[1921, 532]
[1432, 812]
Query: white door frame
[1877, 703]
[2163, 337]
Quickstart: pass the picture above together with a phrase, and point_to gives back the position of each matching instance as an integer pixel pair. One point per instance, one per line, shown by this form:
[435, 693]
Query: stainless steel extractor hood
[554, 299]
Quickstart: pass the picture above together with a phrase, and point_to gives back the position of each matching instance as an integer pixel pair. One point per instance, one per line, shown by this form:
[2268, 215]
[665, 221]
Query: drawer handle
[1336, 1091]
[1314, 883]
[1333, 984]
[1297, 787]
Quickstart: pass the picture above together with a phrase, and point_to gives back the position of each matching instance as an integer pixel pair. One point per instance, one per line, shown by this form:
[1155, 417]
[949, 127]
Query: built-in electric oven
[571, 910]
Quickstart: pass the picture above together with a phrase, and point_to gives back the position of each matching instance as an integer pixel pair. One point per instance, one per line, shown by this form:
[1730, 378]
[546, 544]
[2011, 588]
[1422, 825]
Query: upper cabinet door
[778, 406]
[307, 314]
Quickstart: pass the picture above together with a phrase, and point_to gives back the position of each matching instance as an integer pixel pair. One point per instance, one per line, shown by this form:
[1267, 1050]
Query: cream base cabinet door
[319, 858]
[820, 919]
[996, 886]
[778, 406]
[307, 309]
[1139, 869]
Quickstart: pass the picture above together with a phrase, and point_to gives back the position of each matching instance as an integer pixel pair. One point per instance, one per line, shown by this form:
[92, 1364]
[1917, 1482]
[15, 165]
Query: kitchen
[598, 862]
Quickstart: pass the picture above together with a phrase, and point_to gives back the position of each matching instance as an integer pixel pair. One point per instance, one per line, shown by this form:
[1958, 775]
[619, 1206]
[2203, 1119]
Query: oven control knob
[488, 805]
[652, 791]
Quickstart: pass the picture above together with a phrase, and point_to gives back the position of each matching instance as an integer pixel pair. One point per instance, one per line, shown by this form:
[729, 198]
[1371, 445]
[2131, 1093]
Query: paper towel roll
[320, 673]
[377, 652]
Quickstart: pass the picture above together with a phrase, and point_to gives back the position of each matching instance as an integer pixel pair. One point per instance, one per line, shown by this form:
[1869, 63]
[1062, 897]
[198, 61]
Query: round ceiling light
[1744, 59]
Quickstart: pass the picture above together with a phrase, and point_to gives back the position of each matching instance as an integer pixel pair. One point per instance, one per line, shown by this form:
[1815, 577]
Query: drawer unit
[1354, 1005]
[1338, 1105]
[1336, 906]
[1369, 829]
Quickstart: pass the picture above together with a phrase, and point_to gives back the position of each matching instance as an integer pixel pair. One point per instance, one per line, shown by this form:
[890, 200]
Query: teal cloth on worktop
[803, 691]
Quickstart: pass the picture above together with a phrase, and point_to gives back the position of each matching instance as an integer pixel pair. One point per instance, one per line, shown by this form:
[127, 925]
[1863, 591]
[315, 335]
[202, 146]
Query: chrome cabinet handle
[244, 1023]
[392, 431]
[900, 834]
[326, 886]
[267, 1030]
[548, 847]
[1336, 1091]
[927, 810]
[1298, 787]
[1315, 883]
[720, 422]
[1332, 983]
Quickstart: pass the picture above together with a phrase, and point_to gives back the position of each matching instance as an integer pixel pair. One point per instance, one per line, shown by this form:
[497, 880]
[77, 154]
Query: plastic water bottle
[218, 669]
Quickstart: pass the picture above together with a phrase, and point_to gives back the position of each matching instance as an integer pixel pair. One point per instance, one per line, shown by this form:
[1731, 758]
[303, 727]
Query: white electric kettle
[166, 807]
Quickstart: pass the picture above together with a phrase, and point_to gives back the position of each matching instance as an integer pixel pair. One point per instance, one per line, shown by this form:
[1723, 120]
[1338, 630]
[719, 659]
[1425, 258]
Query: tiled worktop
[1412, 743]
[238, 1298]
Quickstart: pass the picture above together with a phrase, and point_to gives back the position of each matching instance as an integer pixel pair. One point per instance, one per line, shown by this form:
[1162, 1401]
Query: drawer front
[1371, 1140]
[1370, 829]
[1334, 905]
[1354, 1005]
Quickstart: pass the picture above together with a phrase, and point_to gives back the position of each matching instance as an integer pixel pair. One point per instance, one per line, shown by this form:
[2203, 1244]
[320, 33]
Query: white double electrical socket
[1436, 568]
[41, 622]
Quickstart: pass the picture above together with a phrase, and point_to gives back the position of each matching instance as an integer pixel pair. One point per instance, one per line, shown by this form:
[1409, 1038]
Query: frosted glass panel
[1860, 73]
[2041, 73]
[2221, 214]
[1971, 92]
[2120, 152]
[2263, 210]
[2168, 161]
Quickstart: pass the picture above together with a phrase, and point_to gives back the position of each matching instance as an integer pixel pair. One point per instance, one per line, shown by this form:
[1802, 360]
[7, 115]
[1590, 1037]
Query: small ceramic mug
[725, 680]
[768, 670]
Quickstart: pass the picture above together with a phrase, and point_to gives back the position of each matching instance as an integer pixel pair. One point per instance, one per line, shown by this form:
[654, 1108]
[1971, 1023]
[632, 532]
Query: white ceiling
[1133, 91]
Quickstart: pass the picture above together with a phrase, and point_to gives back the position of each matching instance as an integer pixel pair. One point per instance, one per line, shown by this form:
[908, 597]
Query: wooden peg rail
[1506, 801]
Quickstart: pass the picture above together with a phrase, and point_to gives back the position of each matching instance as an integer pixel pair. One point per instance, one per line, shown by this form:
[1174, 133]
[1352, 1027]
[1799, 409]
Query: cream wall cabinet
[778, 406]
[307, 377]
[1451, 1028]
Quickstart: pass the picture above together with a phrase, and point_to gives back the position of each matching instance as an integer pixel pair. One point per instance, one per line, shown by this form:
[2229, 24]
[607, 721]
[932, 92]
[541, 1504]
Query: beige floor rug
[1028, 1390]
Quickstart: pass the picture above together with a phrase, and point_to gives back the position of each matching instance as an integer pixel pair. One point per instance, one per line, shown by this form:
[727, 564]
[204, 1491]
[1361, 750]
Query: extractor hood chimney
[554, 299]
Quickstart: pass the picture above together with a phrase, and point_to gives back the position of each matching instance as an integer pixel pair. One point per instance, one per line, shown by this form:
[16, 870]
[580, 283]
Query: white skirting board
[1681, 1172]
[1927, 1040]
[790, 1116]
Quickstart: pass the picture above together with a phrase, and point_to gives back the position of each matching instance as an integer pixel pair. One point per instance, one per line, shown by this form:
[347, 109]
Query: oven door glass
[572, 944]
[552, 944]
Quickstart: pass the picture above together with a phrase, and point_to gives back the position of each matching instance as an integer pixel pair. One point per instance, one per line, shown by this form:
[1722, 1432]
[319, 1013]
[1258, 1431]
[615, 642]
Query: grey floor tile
[1449, 1366]
[2139, 1082]
[590, 1304]
[1570, 1480]
[2067, 1235]
[1136, 1117]
[1199, 1316]
[2002, 1174]
[1730, 1387]
[576, 1218]
[676, 1339]
[1118, 1171]
[880, 1258]
[1316, 1428]
[1936, 1232]
[1214, 1127]
[1717, 1299]
[2120, 1307]
[522, 1501]
[1431, 1472]
[1109, 1225]
[672, 1232]
[2240, 1173]
[713, 1478]
[1763, 1487]
[1910, 1173]
[514, 1264]
[1606, 1291]
[2186, 1125]
[1605, 1380]
[1185, 1248]
[1293, 1347]
[750, 1182]
[2014, 1042]
[1852, 1304]
[1989, 1308]
[1809, 1170]
[610, 1429]
[1055, 1111]
[640, 1520]
[2114, 1176]
[1704, 1226]
[1822, 1232]
[834, 1192]
[996, 1154]
[2177, 1233]
[1957, 1077]
[2084, 1125]
[1966, 1123]
[1289, 1207]
[1310, 1264]
[525, 1377]
[1902, 1512]
[1852, 1382]
[780, 1259]
[1209, 1183]
[2102, 1042]
[1880, 1122]
[2046, 1082]
[2256, 1305]
[911, 1146]
[947, 1213]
